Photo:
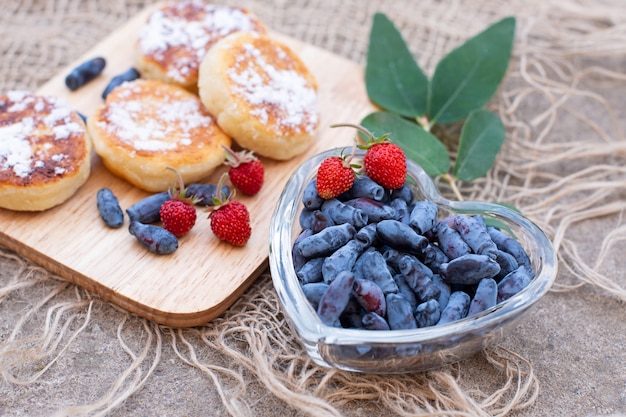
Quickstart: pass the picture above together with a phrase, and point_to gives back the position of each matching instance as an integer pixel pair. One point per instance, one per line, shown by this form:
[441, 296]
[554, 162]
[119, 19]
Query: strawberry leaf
[418, 145]
[393, 79]
[482, 136]
[467, 77]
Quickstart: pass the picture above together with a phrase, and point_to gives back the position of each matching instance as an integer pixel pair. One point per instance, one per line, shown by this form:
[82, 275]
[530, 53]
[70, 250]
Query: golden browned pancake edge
[261, 93]
[45, 151]
[176, 36]
[145, 126]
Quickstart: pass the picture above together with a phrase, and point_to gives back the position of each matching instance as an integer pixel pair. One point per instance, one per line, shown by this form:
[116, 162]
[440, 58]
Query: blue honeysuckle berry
[84, 72]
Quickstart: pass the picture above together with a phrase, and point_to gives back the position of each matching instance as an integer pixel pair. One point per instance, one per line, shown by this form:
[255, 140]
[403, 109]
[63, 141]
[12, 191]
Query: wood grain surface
[204, 276]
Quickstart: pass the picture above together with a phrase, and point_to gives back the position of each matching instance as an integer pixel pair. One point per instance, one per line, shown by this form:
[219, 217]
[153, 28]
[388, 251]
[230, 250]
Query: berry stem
[358, 127]
[347, 162]
[230, 152]
[180, 191]
[217, 198]
[220, 184]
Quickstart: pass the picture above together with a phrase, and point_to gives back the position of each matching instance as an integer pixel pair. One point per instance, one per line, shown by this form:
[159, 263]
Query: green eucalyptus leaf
[481, 138]
[393, 79]
[499, 224]
[467, 77]
[418, 145]
[509, 206]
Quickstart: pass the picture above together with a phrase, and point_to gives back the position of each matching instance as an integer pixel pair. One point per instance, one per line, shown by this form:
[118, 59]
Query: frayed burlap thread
[65, 352]
[251, 340]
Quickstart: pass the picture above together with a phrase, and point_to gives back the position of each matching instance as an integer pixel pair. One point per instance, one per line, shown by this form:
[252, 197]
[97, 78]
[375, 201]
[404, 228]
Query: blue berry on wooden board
[154, 238]
[147, 210]
[128, 75]
[109, 208]
[85, 72]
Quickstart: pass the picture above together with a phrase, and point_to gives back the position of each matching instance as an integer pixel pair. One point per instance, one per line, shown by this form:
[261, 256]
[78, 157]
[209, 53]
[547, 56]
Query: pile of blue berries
[376, 259]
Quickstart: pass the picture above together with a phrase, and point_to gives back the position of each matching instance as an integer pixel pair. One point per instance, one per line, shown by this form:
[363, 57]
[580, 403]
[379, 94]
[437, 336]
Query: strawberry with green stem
[178, 214]
[335, 175]
[230, 219]
[245, 171]
[384, 161]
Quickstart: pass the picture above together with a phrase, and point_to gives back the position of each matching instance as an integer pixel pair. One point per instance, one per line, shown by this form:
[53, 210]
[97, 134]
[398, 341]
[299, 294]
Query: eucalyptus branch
[414, 106]
[450, 180]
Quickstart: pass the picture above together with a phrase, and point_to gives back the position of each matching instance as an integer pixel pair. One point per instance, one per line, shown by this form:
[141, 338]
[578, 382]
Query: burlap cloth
[64, 351]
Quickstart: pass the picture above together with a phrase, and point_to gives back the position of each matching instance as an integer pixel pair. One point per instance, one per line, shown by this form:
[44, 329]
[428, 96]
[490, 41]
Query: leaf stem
[450, 179]
[424, 123]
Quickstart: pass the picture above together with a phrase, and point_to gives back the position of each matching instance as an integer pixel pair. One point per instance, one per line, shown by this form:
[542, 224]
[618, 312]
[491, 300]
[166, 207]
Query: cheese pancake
[144, 126]
[45, 152]
[261, 94]
[176, 37]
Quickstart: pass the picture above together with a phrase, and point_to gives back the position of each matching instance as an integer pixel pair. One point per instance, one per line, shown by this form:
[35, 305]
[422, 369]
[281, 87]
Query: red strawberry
[231, 223]
[335, 176]
[230, 220]
[384, 162]
[246, 171]
[178, 215]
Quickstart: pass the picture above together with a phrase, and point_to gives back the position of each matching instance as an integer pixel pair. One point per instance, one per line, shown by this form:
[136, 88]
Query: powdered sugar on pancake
[154, 125]
[275, 87]
[29, 127]
[15, 152]
[178, 35]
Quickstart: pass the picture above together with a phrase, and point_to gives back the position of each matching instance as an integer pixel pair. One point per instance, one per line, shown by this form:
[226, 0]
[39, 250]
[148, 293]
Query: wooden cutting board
[204, 276]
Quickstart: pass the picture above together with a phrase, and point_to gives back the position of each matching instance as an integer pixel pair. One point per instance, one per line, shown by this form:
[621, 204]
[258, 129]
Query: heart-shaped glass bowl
[400, 351]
